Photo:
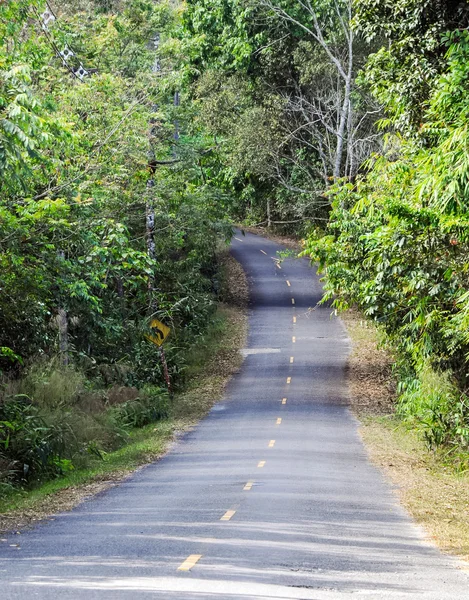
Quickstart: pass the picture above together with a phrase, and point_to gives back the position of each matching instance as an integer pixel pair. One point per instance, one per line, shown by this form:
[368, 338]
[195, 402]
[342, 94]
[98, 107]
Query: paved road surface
[271, 497]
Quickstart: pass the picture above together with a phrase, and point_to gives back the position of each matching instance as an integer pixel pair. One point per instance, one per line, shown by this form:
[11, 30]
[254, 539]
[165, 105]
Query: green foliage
[402, 73]
[271, 97]
[51, 422]
[78, 283]
[397, 247]
[74, 164]
[433, 404]
[220, 33]
[151, 407]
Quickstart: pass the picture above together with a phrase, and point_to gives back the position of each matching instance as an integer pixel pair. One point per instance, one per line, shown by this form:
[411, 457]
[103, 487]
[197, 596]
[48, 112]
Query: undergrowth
[56, 420]
[216, 359]
[433, 404]
[52, 422]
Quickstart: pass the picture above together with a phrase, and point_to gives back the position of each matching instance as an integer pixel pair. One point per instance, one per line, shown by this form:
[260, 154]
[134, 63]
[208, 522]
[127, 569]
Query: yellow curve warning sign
[159, 332]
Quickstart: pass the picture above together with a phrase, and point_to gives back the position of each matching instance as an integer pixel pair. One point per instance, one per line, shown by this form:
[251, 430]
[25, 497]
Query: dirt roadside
[428, 486]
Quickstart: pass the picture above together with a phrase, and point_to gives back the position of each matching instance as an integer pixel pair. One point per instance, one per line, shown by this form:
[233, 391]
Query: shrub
[432, 402]
[60, 424]
[34, 446]
[151, 406]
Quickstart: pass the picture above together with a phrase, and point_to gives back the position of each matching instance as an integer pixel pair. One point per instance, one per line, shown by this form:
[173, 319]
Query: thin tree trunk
[346, 105]
[344, 117]
[62, 325]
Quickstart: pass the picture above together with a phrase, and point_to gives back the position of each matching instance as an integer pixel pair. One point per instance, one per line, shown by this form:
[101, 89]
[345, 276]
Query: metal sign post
[159, 333]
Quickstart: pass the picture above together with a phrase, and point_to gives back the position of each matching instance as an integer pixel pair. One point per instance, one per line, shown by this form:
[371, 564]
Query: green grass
[209, 368]
[144, 445]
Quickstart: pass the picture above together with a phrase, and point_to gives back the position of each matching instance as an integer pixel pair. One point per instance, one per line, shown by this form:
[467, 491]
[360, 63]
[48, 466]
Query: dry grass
[434, 494]
[372, 386]
[59, 501]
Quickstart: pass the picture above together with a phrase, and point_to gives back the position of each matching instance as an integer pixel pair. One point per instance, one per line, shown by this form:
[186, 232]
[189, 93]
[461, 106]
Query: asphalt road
[270, 497]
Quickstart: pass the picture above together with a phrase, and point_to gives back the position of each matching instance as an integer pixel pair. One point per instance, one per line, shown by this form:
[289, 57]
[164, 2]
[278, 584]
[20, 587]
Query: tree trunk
[62, 324]
[344, 113]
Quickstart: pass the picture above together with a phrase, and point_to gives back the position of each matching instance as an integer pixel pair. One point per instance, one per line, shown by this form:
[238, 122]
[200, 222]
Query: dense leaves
[397, 246]
[280, 100]
[343, 121]
[74, 166]
[108, 217]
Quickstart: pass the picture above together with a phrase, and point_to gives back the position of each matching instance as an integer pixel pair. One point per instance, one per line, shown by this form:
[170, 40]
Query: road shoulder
[431, 489]
[211, 370]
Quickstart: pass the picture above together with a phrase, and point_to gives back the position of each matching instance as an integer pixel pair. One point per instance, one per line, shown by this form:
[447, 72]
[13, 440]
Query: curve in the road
[270, 497]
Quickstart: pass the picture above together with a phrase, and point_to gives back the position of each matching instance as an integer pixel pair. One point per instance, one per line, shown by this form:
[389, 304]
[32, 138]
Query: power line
[45, 20]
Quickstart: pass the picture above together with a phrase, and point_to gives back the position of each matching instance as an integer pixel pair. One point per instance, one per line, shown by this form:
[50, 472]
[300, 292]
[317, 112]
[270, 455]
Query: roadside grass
[433, 487]
[430, 488]
[209, 368]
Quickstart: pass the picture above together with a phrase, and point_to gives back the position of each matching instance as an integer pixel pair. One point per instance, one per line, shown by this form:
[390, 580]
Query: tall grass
[434, 404]
[52, 421]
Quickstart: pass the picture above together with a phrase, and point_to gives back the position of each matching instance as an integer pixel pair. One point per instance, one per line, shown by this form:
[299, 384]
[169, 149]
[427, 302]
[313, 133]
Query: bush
[433, 403]
[152, 406]
[61, 424]
[34, 447]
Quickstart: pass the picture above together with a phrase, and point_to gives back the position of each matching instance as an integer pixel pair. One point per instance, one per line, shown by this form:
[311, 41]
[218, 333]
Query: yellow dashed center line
[284, 400]
[288, 379]
[292, 358]
[293, 339]
[278, 266]
[279, 420]
[248, 486]
[294, 319]
[190, 562]
[261, 464]
[227, 516]
[293, 300]
[264, 252]
[288, 283]
[271, 443]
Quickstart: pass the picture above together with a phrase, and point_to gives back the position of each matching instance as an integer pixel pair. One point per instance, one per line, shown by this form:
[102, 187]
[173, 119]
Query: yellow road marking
[293, 339]
[264, 252]
[288, 283]
[279, 420]
[271, 443]
[278, 266]
[190, 562]
[293, 300]
[284, 400]
[292, 358]
[227, 516]
[248, 486]
[294, 319]
[261, 464]
[288, 379]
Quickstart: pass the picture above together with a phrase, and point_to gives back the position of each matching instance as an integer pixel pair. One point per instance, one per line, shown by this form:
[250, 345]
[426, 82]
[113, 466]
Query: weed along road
[270, 497]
